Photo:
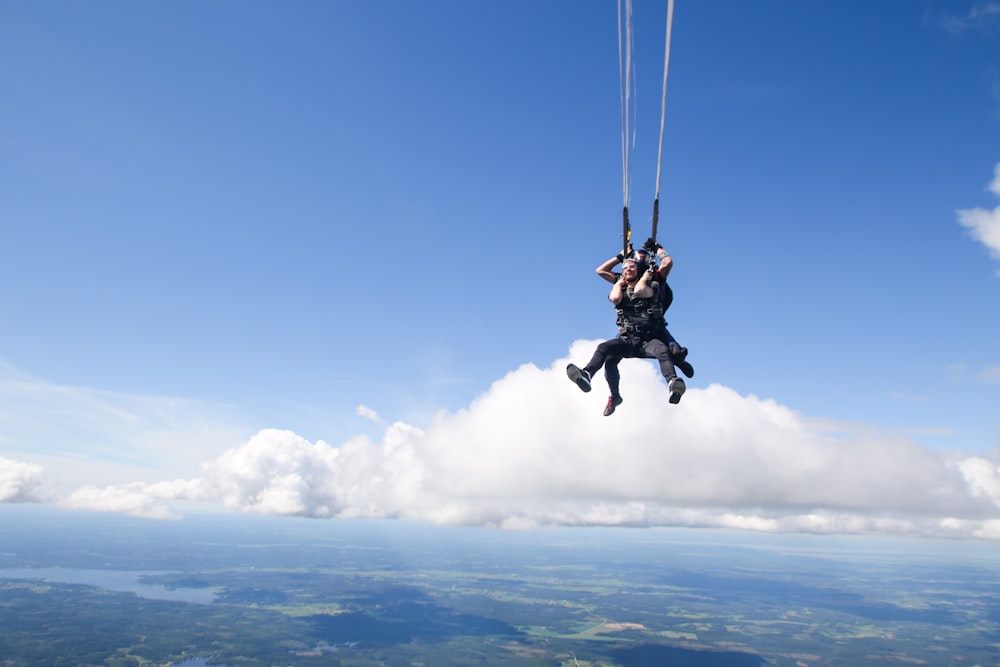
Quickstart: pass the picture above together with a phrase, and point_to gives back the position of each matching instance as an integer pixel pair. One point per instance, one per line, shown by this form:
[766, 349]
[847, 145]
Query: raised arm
[604, 270]
[666, 263]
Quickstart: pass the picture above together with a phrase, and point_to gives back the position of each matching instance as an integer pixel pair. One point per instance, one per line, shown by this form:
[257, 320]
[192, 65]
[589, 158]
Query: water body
[126, 581]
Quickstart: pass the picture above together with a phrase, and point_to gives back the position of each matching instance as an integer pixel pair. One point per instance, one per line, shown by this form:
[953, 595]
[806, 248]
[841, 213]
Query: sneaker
[579, 376]
[613, 402]
[685, 367]
[677, 388]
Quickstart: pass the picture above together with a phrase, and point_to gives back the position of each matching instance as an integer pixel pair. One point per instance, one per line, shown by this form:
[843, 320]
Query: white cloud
[278, 472]
[71, 429]
[983, 16]
[19, 481]
[984, 225]
[367, 413]
[982, 478]
[990, 375]
[533, 450]
[138, 498]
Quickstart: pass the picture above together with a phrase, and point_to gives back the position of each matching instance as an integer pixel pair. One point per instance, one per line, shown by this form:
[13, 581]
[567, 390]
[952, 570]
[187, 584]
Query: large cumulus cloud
[533, 450]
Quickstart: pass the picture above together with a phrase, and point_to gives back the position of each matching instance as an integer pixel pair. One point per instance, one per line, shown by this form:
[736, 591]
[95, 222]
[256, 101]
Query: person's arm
[644, 287]
[604, 270]
[666, 262]
[618, 291]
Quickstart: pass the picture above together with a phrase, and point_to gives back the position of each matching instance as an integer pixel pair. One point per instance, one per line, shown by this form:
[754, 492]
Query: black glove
[651, 245]
[622, 256]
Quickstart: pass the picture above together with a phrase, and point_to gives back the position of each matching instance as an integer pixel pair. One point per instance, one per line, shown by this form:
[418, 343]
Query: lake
[126, 581]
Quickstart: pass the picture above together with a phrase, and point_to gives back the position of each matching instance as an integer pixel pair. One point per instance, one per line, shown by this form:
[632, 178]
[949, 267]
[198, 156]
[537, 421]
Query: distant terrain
[89, 589]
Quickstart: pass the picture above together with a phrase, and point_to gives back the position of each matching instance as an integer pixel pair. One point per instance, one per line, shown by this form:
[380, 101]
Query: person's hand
[651, 245]
[622, 256]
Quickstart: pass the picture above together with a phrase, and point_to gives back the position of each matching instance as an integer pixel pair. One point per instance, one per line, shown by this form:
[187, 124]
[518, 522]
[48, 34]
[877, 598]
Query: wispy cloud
[990, 375]
[534, 451]
[69, 428]
[365, 412]
[980, 17]
[983, 224]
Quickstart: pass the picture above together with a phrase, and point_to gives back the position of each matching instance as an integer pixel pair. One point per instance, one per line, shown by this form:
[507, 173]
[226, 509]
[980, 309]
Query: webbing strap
[663, 114]
[626, 81]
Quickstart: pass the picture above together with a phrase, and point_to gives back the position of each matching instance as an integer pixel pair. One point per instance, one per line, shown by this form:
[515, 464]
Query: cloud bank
[983, 224]
[534, 451]
[19, 481]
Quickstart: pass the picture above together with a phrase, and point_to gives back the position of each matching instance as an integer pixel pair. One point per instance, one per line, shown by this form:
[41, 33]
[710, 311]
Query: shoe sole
[677, 390]
[686, 368]
[576, 375]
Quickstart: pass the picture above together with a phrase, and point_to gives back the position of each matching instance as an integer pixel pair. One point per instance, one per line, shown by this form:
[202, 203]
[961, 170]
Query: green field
[322, 593]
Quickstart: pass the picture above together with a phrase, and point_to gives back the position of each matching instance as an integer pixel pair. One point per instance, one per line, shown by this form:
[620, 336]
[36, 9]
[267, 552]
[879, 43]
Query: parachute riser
[656, 217]
[626, 233]
[627, 85]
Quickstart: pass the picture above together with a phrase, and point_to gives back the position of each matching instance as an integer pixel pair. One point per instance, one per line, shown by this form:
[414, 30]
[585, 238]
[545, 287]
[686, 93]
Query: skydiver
[679, 353]
[637, 299]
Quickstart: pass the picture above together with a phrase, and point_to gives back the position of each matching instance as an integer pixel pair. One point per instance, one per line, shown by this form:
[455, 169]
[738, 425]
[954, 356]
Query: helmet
[641, 265]
[643, 258]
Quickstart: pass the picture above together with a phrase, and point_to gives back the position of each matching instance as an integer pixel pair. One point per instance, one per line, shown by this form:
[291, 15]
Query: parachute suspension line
[663, 114]
[626, 79]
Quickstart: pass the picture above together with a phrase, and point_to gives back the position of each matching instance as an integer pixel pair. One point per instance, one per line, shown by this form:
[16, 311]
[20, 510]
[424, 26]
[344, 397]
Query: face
[630, 270]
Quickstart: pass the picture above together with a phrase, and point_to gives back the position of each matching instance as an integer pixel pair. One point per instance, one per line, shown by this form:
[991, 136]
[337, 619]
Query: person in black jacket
[638, 301]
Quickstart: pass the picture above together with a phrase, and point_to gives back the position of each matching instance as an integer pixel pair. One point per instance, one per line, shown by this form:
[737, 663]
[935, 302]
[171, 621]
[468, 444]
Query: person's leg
[678, 353]
[616, 347]
[613, 376]
[657, 349]
[581, 376]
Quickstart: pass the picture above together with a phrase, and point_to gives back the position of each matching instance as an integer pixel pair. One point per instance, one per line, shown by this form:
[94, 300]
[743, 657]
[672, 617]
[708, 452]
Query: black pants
[629, 347]
[612, 374]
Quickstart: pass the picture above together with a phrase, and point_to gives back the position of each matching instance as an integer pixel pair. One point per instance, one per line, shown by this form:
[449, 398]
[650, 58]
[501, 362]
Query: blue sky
[228, 225]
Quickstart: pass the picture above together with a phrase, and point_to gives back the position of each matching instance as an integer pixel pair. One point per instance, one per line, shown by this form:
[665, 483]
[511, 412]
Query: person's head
[632, 269]
[642, 259]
